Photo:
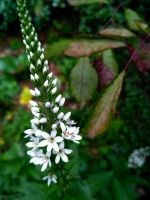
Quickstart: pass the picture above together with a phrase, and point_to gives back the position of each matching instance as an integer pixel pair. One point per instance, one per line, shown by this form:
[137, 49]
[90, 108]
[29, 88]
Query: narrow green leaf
[105, 107]
[83, 81]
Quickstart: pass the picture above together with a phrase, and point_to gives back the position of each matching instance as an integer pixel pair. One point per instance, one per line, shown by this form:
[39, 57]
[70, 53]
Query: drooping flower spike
[51, 130]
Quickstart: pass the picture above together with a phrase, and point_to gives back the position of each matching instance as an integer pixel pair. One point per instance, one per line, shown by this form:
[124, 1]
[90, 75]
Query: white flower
[61, 154]
[70, 133]
[54, 126]
[50, 75]
[50, 179]
[45, 69]
[33, 144]
[36, 114]
[45, 161]
[32, 77]
[51, 141]
[39, 62]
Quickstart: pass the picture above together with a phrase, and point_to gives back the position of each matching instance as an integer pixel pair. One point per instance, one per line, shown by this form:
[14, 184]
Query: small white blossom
[36, 76]
[54, 81]
[50, 75]
[35, 109]
[33, 103]
[39, 62]
[51, 141]
[54, 126]
[60, 115]
[32, 77]
[45, 69]
[50, 179]
[62, 153]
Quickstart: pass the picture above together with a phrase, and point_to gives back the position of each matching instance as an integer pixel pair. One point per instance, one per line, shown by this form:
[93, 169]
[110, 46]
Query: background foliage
[88, 46]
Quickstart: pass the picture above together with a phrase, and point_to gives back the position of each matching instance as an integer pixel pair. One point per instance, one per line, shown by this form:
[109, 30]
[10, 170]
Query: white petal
[67, 151]
[30, 144]
[63, 127]
[49, 147]
[44, 166]
[54, 126]
[32, 92]
[64, 157]
[45, 135]
[37, 92]
[77, 137]
[59, 139]
[53, 91]
[61, 145]
[55, 109]
[33, 103]
[57, 159]
[53, 133]
[54, 81]
[43, 143]
[46, 83]
[49, 181]
[35, 109]
[55, 146]
[29, 131]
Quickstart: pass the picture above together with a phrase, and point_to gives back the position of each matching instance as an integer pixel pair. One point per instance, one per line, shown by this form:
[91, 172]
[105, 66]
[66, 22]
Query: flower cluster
[138, 157]
[51, 129]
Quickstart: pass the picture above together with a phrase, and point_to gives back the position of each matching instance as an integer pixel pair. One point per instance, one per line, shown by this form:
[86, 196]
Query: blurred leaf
[8, 88]
[25, 96]
[38, 10]
[80, 2]
[119, 191]
[98, 182]
[117, 32]
[143, 26]
[87, 47]
[32, 191]
[83, 81]
[105, 107]
[84, 192]
[134, 20]
[57, 48]
[8, 64]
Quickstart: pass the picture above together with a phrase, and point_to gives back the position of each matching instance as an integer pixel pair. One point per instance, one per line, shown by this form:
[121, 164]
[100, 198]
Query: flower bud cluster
[51, 130]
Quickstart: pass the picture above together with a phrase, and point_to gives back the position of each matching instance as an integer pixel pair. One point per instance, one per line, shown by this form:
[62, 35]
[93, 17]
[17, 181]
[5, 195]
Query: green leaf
[119, 191]
[8, 64]
[132, 17]
[8, 88]
[83, 81]
[110, 62]
[98, 182]
[56, 48]
[105, 107]
[84, 192]
[86, 47]
[38, 10]
[80, 2]
[117, 32]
